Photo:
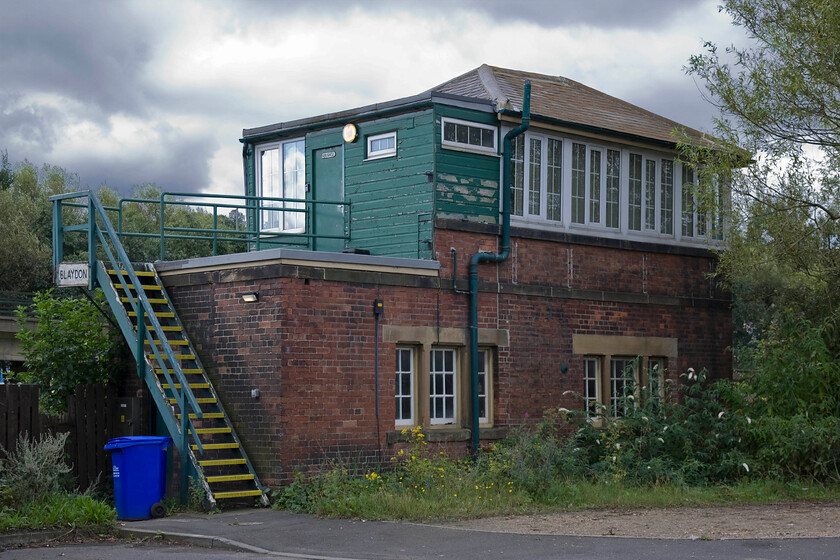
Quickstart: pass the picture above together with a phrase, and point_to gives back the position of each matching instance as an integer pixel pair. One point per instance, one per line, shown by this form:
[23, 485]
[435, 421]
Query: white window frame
[591, 385]
[619, 381]
[405, 378]
[485, 384]
[287, 222]
[443, 387]
[605, 206]
[381, 153]
[695, 222]
[467, 146]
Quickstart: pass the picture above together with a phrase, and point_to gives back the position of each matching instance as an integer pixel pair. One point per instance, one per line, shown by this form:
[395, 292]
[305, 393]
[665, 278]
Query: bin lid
[131, 441]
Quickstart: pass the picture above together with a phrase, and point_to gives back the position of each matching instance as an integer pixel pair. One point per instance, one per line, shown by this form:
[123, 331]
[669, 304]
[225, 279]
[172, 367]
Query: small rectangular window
[382, 145]
[404, 387]
[468, 135]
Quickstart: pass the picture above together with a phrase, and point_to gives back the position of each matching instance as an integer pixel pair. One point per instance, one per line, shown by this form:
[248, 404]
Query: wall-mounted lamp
[250, 297]
[564, 368]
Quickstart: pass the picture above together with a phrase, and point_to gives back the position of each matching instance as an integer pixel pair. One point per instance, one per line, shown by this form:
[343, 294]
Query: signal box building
[359, 319]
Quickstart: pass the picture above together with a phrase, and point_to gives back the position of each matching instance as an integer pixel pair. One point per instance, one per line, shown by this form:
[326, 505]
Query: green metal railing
[215, 205]
[104, 241]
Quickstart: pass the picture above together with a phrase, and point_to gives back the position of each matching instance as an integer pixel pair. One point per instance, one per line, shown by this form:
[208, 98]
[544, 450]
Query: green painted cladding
[392, 200]
[467, 183]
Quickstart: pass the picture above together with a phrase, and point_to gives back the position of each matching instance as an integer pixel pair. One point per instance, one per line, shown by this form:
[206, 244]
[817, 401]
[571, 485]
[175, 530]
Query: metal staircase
[166, 360]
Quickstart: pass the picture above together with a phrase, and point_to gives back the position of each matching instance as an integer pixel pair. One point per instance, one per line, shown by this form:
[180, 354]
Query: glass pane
[687, 201]
[449, 131]
[634, 214]
[554, 178]
[517, 161]
[595, 186]
[613, 186]
[475, 136]
[294, 163]
[462, 133]
[666, 197]
[488, 138]
[650, 194]
[578, 183]
[534, 167]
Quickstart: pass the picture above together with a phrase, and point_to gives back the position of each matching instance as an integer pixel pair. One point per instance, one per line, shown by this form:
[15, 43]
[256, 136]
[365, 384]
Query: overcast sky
[141, 91]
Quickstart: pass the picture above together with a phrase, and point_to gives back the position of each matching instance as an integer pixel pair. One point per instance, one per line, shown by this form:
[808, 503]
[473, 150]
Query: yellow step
[148, 287]
[151, 300]
[229, 478]
[244, 494]
[192, 385]
[165, 329]
[213, 430]
[221, 462]
[212, 446]
[171, 343]
[185, 371]
[177, 356]
[206, 416]
[202, 400]
[159, 314]
[145, 273]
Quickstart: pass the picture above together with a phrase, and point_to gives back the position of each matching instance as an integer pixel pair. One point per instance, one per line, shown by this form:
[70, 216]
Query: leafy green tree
[780, 101]
[71, 344]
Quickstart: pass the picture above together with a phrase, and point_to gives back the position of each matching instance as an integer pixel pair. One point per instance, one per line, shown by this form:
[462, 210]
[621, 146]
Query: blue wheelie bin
[139, 467]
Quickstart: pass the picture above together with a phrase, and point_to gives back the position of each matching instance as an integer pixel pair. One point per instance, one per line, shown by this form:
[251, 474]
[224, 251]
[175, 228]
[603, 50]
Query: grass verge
[58, 511]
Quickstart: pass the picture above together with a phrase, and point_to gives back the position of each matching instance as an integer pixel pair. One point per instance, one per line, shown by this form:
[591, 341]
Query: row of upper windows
[557, 181]
[620, 190]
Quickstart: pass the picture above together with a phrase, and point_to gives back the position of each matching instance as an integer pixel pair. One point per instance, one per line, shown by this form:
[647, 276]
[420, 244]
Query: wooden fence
[89, 420]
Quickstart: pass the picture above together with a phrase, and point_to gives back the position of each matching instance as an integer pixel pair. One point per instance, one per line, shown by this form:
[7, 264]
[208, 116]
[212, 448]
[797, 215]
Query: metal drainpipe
[485, 257]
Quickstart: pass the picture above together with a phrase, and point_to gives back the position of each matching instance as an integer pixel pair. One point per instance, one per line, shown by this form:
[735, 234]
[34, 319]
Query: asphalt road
[514, 546]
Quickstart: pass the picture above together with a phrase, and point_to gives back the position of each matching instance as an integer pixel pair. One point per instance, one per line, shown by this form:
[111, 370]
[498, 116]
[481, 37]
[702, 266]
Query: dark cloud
[91, 52]
[177, 164]
[682, 101]
[635, 14]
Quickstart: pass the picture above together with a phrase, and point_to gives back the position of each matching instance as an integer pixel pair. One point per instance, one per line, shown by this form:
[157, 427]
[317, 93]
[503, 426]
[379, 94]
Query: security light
[250, 297]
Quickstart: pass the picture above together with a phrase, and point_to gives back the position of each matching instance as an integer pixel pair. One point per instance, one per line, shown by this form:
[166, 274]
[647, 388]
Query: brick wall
[308, 344]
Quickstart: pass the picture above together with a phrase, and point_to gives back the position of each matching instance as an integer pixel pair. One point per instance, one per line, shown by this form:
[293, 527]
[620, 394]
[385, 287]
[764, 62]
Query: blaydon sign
[72, 274]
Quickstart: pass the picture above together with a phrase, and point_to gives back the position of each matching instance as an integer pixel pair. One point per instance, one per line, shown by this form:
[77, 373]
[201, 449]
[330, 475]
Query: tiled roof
[560, 99]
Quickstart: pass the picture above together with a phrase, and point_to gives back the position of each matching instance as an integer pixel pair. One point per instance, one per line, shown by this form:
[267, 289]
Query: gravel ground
[784, 520]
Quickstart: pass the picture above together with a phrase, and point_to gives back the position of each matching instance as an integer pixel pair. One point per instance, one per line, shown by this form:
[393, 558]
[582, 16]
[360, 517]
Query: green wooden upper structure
[381, 178]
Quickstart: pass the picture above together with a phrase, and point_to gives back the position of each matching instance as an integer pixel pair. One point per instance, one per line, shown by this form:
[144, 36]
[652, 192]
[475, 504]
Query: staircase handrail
[187, 400]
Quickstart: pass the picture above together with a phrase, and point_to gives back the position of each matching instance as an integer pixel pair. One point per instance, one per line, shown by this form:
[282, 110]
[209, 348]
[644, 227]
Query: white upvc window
[591, 385]
[281, 173]
[537, 177]
[382, 145]
[595, 185]
[622, 376]
[404, 404]
[467, 135]
[484, 378]
[698, 220]
[442, 386]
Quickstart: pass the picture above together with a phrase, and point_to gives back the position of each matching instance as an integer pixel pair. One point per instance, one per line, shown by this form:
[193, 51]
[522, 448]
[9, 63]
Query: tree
[780, 99]
[71, 344]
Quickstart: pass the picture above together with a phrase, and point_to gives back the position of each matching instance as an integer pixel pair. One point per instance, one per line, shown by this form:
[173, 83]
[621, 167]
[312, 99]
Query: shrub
[36, 468]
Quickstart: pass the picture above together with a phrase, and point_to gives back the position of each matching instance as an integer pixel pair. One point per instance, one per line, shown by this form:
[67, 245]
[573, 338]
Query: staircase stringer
[157, 392]
[264, 498]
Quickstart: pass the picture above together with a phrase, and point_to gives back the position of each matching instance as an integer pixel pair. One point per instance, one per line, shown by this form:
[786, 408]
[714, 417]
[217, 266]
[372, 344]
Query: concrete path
[287, 535]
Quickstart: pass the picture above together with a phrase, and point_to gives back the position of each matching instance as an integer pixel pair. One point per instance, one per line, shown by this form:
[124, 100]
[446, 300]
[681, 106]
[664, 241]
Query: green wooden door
[328, 185]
